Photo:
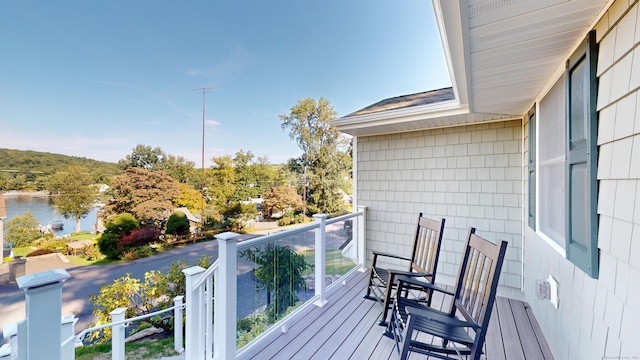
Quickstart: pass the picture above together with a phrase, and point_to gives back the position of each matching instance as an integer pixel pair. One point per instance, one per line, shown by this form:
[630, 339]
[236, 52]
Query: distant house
[536, 142]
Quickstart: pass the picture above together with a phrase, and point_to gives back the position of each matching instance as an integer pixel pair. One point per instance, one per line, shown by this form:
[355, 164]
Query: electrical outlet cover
[553, 284]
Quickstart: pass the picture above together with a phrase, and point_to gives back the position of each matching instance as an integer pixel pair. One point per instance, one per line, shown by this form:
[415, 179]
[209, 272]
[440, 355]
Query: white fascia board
[422, 112]
[453, 24]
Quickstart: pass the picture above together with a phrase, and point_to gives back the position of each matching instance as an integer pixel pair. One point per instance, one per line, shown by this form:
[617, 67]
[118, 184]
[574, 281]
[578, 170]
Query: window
[551, 162]
[566, 161]
[582, 156]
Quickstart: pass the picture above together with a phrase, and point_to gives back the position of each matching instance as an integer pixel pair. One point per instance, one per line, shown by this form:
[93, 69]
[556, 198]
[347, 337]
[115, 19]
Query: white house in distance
[537, 142]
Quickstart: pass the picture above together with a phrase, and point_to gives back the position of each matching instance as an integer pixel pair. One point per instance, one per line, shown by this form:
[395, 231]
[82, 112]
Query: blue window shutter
[531, 116]
[582, 186]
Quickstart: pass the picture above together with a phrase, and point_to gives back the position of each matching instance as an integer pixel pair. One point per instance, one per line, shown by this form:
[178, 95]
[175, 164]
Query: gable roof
[501, 55]
[406, 101]
[188, 214]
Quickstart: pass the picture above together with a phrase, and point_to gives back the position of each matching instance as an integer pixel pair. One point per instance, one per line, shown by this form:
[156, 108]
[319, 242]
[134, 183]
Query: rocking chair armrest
[428, 286]
[447, 320]
[410, 273]
[378, 253]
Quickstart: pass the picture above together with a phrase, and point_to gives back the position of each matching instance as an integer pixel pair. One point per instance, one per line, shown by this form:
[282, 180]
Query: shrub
[178, 224]
[121, 224]
[131, 254]
[54, 244]
[108, 245]
[138, 237]
[40, 252]
[156, 291]
[91, 252]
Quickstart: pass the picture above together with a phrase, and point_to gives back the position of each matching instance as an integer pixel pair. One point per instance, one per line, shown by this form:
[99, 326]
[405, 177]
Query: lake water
[42, 208]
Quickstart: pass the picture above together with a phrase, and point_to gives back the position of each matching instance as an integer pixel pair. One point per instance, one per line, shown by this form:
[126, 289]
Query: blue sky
[96, 78]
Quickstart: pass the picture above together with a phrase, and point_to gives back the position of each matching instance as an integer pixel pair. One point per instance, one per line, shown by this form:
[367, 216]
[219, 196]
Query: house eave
[431, 116]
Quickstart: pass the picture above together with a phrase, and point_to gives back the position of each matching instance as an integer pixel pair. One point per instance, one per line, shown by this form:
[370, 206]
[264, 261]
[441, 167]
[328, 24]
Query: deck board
[346, 328]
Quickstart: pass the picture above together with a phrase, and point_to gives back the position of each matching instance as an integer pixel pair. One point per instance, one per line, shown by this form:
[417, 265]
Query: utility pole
[204, 97]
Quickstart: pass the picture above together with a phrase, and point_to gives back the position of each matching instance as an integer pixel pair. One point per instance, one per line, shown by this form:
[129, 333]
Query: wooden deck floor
[346, 328]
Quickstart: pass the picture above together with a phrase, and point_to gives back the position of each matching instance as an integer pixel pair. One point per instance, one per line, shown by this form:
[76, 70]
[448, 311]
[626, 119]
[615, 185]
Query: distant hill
[43, 164]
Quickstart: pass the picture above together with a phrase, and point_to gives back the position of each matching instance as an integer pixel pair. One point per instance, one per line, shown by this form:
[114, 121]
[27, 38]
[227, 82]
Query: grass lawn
[22, 251]
[151, 349]
[335, 262]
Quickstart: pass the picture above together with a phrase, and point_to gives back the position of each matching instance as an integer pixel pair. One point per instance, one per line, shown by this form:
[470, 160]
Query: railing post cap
[320, 216]
[227, 236]
[69, 319]
[178, 298]
[42, 278]
[194, 270]
[118, 311]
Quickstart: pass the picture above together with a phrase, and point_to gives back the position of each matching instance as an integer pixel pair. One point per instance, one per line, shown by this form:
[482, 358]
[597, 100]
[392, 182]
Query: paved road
[87, 280]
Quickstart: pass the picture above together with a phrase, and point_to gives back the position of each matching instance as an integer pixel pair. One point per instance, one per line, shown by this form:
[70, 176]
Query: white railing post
[320, 259]
[43, 301]
[177, 324]
[194, 332]
[362, 243]
[117, 333]
[68, 330]
[226, 290]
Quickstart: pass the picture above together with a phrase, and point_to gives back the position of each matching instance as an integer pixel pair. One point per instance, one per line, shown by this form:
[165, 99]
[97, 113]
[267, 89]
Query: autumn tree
[281, 199]
[75, 194]
[323, 152]
[148, 195]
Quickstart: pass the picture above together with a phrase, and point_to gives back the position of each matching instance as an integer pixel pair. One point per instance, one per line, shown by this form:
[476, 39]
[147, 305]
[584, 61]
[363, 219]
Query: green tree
[281, 199]
[148, 195]
[180, 169]
[239, 213]
[143, 156]
[323, 147]
[279, 272]
[190, 198]
[75, 193]
[22, 230]
[178, 224]
[221, 181]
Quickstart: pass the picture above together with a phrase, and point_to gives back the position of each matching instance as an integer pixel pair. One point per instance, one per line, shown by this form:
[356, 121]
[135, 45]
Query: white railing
[218, 341]
[43, 335]
[20, 347]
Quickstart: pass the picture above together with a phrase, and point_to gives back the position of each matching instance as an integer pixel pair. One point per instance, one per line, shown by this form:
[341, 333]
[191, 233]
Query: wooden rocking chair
[473, 299]
[423, 263]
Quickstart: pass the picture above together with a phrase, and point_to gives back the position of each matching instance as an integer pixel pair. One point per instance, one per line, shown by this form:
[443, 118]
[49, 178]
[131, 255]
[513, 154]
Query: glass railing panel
[341, 250]
[274, 277]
